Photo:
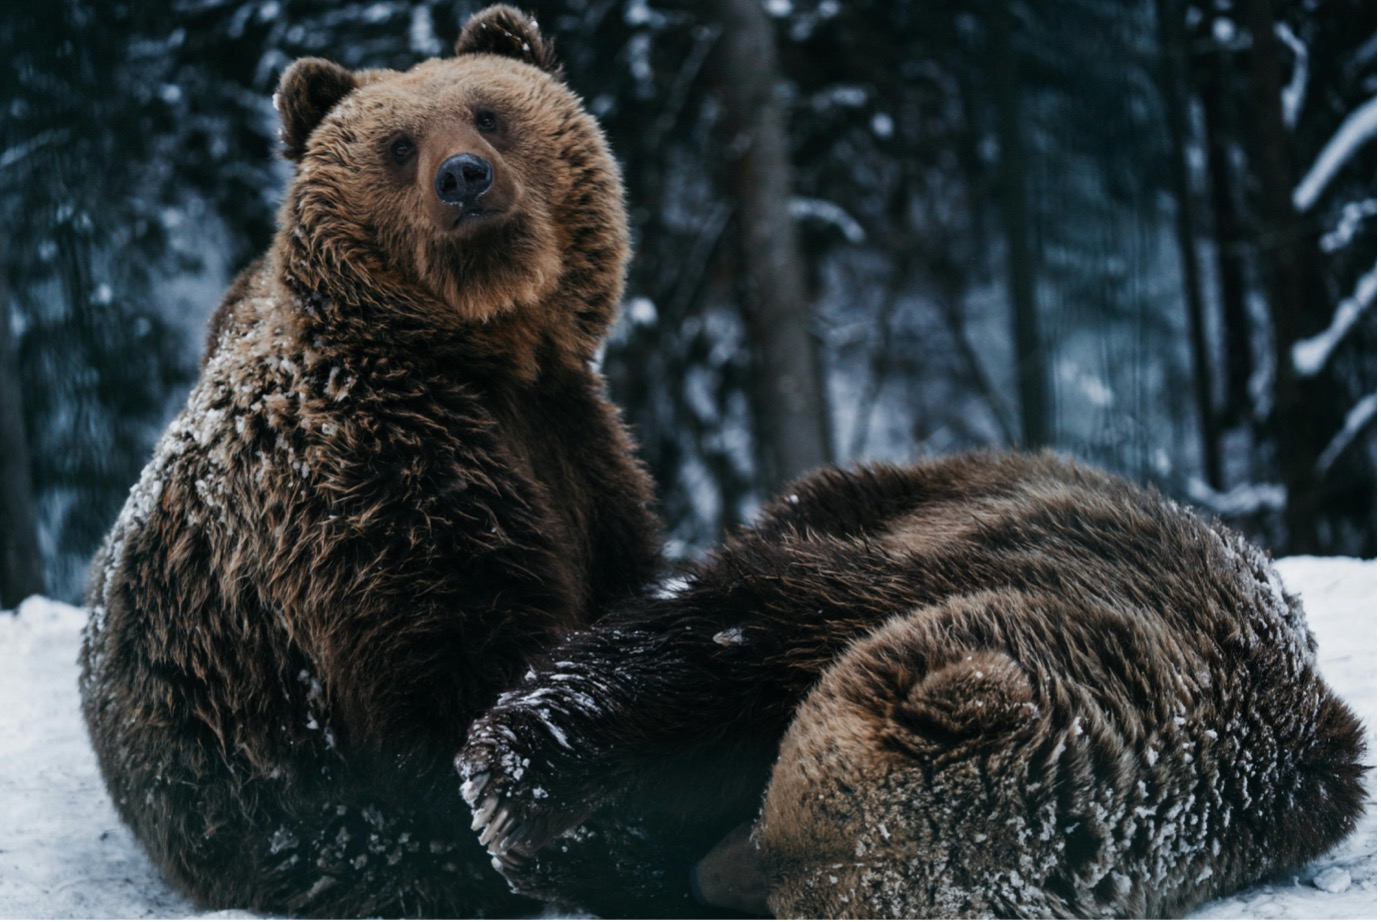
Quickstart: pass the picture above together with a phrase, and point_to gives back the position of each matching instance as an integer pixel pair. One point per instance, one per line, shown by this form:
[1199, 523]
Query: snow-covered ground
[64, 854]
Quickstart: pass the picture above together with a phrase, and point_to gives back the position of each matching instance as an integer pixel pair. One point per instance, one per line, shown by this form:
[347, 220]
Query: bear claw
[521, 801]
[484, 812]
[496, 828]
[517, 840]
[470, 790]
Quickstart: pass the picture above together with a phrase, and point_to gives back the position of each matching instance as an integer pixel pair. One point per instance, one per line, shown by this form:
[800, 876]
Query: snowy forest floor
[65, 854]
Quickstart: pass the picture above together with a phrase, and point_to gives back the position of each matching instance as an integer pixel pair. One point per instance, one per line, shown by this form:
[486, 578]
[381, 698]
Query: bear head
[468, 192]
[882, 796]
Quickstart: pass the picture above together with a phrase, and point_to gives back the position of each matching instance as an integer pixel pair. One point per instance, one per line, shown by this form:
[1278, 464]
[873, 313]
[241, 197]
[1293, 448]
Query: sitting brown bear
[395, 483]
[1002, 686]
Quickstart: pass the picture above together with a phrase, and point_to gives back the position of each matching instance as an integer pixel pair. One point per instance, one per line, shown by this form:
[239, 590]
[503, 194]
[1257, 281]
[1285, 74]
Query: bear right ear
[308, 90]
[511, 33]
[984, 693]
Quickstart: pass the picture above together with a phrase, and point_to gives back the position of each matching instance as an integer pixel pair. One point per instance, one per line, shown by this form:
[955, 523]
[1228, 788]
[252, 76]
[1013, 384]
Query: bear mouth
[473, 215]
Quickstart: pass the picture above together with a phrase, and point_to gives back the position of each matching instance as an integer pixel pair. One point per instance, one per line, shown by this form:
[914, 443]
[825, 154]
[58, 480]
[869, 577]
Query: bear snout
[462, 179]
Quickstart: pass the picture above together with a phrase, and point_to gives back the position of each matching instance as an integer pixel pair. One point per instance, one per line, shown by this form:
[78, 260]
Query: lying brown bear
[1002, 686]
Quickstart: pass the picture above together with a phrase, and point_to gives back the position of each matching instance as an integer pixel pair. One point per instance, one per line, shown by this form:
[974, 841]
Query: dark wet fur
[1113, 604]
[376, 512]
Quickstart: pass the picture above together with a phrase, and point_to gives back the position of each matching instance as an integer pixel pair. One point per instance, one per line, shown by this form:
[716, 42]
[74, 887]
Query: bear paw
[508, 769]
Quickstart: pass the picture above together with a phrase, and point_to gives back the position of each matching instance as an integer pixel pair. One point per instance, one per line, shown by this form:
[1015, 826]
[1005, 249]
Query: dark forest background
[1140, 231]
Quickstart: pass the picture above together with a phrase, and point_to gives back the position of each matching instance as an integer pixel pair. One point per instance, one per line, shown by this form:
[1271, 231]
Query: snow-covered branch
[1310, 355]
[831, 214]
[1292, 94]
[1357, 129]
[1243, 499]
[51, 137]
[1351, 218]
[1357, 419]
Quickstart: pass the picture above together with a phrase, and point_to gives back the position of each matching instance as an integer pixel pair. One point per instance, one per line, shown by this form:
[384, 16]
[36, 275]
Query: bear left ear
[511, 33]
[308, 90]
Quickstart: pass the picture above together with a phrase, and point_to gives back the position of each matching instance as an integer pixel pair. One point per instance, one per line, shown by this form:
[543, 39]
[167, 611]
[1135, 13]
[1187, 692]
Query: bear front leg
[601, 779]
[600, 724]
[667, 714]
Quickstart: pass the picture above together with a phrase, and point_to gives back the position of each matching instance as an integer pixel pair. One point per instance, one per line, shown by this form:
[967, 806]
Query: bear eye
[486, 121]
[401, 149]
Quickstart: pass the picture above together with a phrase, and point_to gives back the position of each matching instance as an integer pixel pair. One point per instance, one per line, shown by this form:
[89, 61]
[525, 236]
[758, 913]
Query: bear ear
[308, 90]
[984, 693]
[505, 31]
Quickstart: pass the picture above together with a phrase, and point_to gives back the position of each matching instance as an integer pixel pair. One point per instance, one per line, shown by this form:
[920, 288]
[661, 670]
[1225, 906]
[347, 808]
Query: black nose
[463, 178]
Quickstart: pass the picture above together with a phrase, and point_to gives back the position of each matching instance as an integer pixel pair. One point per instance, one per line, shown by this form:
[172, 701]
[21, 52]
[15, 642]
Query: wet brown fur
[396, 482]
[1002, 686]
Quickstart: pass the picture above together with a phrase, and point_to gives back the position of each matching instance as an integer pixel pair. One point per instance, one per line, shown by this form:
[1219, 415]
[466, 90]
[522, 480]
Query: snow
[1352, 217]
[642, 312]
[65, 854]
[422, 38]
[1333, 880]
[1362, 413]
[1224, 30]
[1310, 355]
[1292, 94]
[829, 213]
[1242, 499]
[1357, 129]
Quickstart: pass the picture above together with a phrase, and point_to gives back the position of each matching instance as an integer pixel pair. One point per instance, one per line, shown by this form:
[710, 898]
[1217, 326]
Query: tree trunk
[21, 564]
[1033, 387]
[1216, 95]
[1283, 253]
[1170, 17]
[788, 394]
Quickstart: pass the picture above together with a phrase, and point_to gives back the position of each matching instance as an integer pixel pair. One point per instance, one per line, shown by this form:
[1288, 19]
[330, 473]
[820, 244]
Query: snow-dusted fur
[396, 482]
[1003, 686]
[1028, 753]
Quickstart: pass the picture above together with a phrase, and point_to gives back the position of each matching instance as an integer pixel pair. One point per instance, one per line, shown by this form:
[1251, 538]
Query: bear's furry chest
[554, 430]
[409, 466]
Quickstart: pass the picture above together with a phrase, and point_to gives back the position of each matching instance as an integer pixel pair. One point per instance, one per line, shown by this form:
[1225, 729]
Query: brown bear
[1002, 686]
[396, 481]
